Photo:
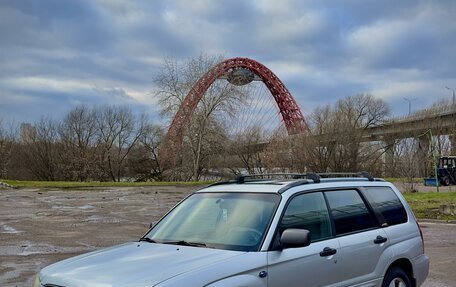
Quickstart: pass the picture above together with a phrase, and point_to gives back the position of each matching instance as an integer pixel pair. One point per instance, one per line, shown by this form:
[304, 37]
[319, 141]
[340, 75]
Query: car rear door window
[349, 212]
[385, 200]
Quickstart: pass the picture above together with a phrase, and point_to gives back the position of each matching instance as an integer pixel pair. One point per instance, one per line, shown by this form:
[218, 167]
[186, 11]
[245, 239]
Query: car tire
[396, 277]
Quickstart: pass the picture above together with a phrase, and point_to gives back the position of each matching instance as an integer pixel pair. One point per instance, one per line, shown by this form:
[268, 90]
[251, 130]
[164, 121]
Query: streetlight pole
[410, 104]
[451, 89]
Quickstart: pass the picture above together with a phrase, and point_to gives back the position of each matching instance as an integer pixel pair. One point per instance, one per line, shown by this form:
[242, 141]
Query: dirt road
[39, 227]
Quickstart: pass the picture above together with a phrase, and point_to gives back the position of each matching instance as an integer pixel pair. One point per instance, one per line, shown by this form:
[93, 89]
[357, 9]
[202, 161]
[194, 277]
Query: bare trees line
[110, 143]
[107, 143]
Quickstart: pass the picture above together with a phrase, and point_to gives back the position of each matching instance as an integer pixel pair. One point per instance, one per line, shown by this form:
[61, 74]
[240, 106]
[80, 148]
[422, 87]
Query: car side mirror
[293, 238]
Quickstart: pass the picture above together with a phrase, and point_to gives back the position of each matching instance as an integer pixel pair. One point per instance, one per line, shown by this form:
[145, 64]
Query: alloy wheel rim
[397, 282]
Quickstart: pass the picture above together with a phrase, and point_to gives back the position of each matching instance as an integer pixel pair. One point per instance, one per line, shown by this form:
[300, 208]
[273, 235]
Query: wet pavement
[39, 227]
[440, 246]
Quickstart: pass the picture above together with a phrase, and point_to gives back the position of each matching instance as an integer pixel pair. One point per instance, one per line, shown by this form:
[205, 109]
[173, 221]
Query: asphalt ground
[39, 227]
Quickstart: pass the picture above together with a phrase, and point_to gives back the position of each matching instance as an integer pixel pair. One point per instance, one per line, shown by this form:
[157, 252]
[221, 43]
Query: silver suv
[287, 230]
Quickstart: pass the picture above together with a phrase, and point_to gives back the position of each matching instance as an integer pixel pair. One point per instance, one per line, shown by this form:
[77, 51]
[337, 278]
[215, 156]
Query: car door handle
[327, 251]
[380, 239]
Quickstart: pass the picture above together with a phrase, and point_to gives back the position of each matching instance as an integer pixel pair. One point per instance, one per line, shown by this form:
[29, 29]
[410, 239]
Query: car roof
[263, 185]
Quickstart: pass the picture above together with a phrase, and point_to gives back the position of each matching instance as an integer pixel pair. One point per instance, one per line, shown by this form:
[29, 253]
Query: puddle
[27, 248]
[8, 229]
[103, 219]
[64, 207]
[67, 207]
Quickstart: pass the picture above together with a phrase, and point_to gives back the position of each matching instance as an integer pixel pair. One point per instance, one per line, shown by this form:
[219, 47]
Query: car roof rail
[315, 177]
[271, 176]
[362, 174]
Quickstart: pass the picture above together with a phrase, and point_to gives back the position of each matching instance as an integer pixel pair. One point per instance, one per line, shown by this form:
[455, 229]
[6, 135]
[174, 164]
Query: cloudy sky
[56, 54]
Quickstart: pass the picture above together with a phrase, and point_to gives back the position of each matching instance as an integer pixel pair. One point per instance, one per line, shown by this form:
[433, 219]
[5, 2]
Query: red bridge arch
[289, 110]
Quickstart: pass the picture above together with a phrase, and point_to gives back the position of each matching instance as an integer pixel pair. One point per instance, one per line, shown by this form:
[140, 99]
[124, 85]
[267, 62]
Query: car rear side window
[387, 203]
[349, 211]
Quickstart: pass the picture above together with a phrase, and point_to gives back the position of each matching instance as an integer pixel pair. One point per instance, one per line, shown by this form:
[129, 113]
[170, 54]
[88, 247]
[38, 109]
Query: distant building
[28, 133]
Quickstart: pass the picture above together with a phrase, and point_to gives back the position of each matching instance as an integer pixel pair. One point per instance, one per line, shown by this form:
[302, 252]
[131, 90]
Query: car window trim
[333, 224]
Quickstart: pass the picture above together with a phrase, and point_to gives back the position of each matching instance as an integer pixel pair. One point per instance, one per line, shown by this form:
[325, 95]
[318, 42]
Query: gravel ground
[39, 227]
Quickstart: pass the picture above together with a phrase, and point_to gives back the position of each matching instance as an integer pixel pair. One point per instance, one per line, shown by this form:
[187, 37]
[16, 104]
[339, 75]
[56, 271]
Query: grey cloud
[54, 25]
[390, 48]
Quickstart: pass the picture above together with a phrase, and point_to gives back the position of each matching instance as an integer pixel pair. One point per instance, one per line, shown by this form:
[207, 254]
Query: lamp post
[451, 89]
[435, 155]
[410, 104]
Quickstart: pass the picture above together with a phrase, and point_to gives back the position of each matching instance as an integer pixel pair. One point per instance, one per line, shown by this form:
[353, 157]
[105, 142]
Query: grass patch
[427, 204]
[73, 184]
[403, 179]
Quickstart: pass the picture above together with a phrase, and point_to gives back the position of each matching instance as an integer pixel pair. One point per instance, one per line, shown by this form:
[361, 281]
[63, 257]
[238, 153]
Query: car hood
[131, 264]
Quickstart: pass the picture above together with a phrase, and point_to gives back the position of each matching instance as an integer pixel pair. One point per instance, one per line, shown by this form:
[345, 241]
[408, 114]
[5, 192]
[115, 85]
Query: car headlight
[37, 281]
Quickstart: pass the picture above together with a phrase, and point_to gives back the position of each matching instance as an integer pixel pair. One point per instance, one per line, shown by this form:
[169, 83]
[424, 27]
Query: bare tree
[408, 165]
[355, 115]
[320, 145]
[247, 146]
[42, 150]
[143, 160]
[335, 140]
[277, 155]
[175, 79]
[221, 99]
[77, 134]
[117, 133]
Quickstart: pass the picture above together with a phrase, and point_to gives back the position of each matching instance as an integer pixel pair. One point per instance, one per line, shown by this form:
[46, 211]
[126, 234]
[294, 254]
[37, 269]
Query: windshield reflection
[232, 221]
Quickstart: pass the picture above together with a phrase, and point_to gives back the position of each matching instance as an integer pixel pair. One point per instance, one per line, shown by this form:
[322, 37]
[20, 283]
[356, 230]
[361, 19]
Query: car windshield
[232, 221]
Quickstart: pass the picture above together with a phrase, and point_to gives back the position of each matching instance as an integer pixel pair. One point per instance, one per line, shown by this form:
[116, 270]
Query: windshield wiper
[147, 239]
[186, 243]
[176, 242]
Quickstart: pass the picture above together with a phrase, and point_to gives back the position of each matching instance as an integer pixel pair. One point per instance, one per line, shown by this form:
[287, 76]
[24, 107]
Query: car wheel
[396, 277]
